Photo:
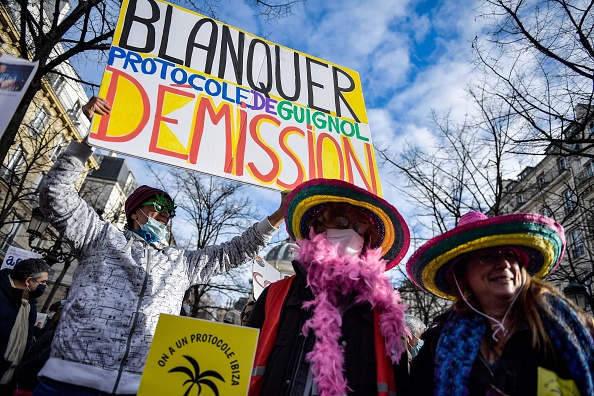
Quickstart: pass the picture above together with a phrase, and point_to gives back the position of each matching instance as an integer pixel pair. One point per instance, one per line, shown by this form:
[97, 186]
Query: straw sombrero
[306, 201]
[539, 239]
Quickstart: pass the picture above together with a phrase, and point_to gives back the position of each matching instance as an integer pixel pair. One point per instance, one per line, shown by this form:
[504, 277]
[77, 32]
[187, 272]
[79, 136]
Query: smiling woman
[509, 333]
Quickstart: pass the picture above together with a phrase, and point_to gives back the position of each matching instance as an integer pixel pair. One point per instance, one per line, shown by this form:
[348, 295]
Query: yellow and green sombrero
[539, 239]
[307, 200]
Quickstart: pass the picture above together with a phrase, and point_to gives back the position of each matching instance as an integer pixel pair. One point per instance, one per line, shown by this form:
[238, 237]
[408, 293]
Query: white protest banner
[15, 76]
[195, 93]
[14, 255]
[263, 275]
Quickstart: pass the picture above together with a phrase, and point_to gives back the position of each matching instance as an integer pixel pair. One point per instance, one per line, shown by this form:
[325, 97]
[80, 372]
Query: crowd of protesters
[336, 327]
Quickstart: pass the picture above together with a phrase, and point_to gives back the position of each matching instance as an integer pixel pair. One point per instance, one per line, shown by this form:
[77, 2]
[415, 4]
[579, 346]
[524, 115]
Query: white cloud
[410, 60]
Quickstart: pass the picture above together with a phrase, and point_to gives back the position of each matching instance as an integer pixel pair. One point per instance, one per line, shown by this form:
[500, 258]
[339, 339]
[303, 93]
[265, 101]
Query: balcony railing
[6, 242]
[529, 191]
[584, 176]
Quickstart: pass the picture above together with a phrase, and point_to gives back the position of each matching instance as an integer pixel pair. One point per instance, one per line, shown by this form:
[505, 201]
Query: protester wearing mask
[413, 340]
[336, 327]
[19, 290]
[124, 280]
[185, 309]
[148, 211]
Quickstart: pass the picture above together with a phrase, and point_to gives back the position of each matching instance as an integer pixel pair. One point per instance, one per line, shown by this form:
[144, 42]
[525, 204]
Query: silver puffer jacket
[121, 284]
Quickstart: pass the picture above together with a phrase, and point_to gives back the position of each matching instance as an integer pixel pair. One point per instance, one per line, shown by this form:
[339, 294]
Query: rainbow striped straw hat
[307, 200]
[539, 240]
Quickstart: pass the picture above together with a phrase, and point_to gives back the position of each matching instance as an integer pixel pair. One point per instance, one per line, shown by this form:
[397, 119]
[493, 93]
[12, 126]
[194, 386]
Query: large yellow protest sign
[192, 92]
[196, 357]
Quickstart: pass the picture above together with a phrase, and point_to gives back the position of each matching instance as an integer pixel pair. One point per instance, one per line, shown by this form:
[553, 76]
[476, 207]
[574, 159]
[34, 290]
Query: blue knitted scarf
[462, 335]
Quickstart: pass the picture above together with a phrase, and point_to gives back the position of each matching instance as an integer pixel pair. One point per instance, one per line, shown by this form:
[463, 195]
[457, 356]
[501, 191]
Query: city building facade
[561, 186]
[53, 119]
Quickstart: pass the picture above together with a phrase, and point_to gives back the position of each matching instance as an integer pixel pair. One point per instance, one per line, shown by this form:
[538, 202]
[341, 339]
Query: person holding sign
[337, 326]
[509, 333]
[124, 280]
[19, 289]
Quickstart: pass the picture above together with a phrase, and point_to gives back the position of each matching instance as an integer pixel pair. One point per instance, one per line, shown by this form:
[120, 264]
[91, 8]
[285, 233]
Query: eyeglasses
[245, 315]
[39, 283]
[492, 257]
[343, 223]
[160, 207]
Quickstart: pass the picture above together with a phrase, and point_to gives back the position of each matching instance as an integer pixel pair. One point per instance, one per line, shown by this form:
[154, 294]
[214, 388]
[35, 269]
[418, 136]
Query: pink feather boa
[333, 279]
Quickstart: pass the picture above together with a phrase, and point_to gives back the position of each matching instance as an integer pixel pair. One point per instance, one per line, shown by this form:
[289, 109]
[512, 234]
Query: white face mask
[348, 241]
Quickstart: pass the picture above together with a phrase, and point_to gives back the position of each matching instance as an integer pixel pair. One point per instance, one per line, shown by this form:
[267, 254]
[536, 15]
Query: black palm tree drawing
[197, 378]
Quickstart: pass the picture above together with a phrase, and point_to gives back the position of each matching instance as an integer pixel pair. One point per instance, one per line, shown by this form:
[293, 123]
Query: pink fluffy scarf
[333, 280]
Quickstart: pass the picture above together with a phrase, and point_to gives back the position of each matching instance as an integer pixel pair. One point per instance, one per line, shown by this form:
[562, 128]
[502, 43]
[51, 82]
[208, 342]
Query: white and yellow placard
[197, 357]
[192, 92]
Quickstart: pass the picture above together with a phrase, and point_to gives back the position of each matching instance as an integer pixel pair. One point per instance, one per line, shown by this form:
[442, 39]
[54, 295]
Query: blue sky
[412, 56]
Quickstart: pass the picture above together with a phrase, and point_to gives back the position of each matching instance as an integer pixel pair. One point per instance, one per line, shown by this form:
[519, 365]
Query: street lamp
[55, 254]
[37, 225]
[578, 293]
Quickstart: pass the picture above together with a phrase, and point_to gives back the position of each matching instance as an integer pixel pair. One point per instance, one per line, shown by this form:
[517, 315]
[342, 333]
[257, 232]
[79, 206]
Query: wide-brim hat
[540, 241]
[309, 198]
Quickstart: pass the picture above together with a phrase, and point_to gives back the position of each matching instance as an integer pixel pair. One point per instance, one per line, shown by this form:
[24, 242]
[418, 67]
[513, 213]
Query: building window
[545, 211]
[569, 201]
[562, 164]
[76, 109]
[577, 246]
[58, 148]
[591, 129]
[58, 82]
[520, 199]
[75, 112]
[40, 121]
[15, 161]
[6, 239]
[589, 168]
[542, 180]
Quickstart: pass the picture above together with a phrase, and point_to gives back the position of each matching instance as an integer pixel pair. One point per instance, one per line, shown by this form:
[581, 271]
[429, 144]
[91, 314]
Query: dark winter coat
[286, 369]
[513, 373]
[10, 303]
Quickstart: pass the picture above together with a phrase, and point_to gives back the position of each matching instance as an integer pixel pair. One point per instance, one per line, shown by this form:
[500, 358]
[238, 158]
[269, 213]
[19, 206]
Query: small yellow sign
[196, 357]
[550, 384]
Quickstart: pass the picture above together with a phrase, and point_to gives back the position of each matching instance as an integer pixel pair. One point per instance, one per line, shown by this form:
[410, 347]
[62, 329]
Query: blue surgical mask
[154, 227]
[186, 308]
[415, 350]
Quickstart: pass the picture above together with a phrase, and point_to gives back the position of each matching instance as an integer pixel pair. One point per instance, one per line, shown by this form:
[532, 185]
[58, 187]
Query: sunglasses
[491, 257]
[341, 217]
[343, 223]
[245, 315]
[160, 207]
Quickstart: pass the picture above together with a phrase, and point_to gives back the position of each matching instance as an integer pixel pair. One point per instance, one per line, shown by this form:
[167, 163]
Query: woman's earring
[467, 294]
